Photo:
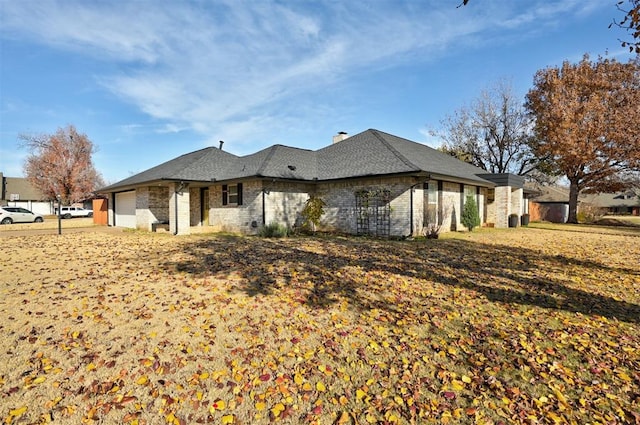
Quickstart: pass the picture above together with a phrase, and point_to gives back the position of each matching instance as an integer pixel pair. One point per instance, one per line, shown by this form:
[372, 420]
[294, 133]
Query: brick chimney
[340, 137]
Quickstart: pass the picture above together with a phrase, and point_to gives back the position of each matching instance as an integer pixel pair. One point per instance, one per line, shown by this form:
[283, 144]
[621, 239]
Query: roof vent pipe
[340, 137]
[221, 143]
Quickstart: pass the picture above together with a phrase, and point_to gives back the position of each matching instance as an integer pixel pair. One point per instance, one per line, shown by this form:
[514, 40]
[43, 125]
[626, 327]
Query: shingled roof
[21, 187]
[374, 152]
[370, 153]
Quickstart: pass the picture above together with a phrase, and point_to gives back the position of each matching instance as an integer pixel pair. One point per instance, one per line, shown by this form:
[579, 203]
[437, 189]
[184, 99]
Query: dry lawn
[538, 325]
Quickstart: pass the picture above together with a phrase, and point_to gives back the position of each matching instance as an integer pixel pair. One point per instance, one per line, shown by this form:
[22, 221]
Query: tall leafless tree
[61, 165]
[494, 133]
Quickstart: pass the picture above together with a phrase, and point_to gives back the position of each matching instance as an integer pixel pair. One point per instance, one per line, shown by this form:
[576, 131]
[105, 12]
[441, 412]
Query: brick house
[372, 183]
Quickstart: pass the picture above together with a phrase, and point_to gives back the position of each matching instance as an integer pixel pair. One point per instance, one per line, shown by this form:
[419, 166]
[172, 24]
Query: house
[619, 203]
[373, 183]
[549, 203]
[18, 192]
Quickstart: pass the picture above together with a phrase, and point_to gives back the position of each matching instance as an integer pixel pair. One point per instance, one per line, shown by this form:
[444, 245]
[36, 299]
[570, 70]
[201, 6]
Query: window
[470, 191]
[232, 194]
[432, 214]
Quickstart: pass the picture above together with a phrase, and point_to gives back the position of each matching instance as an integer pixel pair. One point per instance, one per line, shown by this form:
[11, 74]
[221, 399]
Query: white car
[70, 212]
[9, 215]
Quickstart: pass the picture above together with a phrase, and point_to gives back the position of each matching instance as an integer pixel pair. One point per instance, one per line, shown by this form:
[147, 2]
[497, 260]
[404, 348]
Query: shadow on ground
[324, 271]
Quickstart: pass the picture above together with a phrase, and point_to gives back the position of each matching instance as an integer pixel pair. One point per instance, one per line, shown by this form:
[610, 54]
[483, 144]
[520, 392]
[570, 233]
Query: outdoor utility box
[100, 214]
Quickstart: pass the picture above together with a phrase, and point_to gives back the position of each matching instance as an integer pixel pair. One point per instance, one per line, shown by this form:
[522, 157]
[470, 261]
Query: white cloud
[238, 68]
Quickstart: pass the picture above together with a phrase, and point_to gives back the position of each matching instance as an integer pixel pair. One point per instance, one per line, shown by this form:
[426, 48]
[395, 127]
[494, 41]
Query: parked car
[70, 212]
[10, 215]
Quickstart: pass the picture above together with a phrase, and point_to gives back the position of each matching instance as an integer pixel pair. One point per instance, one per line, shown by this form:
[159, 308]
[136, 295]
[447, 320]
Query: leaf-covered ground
[521, 326]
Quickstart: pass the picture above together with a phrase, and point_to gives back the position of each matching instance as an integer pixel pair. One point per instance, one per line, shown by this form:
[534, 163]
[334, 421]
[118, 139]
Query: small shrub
[588, 213]
[431, 231]
[274, 230]
[432, 228]
[470, 216]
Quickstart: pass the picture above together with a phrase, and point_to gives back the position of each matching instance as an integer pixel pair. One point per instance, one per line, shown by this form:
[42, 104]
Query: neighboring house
[373, 183]
[18, 192]
[549, 203]
[622, 203]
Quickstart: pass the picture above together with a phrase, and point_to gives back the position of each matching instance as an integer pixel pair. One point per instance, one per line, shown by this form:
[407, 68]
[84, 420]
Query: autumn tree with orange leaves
[587, 117]
[631, 23]
[60, 165]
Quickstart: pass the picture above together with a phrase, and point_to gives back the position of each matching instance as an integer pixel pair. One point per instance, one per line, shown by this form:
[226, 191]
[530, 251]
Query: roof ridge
[291, 147]
[402, 158]
[263, 166]
[202, 155]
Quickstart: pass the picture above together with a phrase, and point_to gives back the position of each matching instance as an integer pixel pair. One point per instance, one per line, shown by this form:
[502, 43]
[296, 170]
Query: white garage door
[126, 209]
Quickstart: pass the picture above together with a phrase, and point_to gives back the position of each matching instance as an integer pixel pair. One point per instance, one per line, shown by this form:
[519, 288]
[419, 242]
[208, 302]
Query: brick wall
[152, 204]
[194, 206]
[245, 218]
[183, 213]
[159, 203]
[143, 216]
[517, 202]
[503, 206]
[285, 201]
[450, 206]
[340, 213]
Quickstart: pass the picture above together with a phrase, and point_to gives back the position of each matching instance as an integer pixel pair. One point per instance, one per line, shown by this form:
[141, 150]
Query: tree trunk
[573, 202]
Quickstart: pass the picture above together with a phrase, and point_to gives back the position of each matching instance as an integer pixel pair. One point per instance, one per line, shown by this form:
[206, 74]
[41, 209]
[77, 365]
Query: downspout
[411, 210]
[264, 218]
[175, 198]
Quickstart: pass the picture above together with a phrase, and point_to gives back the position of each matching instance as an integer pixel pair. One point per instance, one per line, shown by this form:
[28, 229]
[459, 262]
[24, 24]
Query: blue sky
[149, 80]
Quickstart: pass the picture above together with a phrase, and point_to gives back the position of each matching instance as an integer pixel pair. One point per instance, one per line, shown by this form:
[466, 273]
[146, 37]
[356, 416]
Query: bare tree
[494, 133]
[60, 165]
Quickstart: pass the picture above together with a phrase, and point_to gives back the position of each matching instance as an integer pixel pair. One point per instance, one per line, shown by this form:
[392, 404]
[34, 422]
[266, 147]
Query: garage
[125, 209]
